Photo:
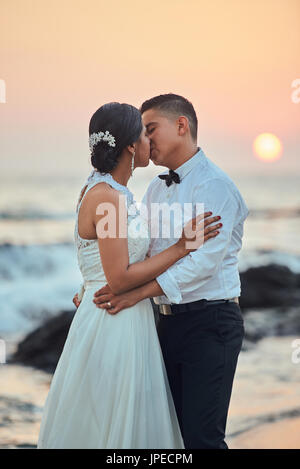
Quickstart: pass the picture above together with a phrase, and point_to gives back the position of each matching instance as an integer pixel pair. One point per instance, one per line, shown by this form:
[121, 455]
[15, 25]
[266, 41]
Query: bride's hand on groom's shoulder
[113, 304]
[199, 230]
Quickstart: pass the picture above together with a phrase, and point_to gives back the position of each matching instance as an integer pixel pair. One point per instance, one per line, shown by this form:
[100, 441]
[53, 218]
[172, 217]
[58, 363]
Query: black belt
[183, 308]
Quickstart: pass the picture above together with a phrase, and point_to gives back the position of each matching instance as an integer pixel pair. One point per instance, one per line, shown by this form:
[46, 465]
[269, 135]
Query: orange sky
[234, 59]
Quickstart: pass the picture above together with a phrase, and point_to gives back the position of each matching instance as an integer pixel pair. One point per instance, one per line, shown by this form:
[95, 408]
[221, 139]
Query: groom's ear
[183, 125]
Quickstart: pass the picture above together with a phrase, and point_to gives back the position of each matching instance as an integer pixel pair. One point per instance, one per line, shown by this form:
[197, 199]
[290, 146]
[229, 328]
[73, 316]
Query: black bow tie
[170, 178]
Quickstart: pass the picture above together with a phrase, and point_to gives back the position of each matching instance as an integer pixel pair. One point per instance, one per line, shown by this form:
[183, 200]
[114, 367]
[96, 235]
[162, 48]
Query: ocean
[39, 274]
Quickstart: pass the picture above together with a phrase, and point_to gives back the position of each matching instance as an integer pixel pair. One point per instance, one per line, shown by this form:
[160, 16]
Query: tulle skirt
[110, 387]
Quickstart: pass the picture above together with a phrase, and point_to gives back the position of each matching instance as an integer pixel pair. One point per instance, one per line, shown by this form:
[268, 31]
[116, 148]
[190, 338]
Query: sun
[267, 147]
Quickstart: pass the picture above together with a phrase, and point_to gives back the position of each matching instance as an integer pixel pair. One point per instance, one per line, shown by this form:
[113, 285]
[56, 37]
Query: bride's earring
[132, 163]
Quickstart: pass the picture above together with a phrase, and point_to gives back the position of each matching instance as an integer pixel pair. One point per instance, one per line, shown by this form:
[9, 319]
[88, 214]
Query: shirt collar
[185, 168]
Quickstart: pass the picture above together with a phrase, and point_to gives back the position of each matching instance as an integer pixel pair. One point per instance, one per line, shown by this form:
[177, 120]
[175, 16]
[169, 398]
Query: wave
[34, 215]
[257, 257]
[33, 261]
[36, 281]
[288, 212]
[39, 281]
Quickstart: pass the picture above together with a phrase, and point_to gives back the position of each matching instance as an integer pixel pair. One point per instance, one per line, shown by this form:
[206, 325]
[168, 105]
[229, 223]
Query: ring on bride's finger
[109, 304]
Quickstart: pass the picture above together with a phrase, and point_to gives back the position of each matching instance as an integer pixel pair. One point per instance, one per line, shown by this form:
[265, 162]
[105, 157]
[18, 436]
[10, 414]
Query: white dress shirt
[210, 272]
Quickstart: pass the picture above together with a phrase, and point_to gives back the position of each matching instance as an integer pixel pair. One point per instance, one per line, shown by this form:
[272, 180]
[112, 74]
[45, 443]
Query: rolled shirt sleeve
[195, 269]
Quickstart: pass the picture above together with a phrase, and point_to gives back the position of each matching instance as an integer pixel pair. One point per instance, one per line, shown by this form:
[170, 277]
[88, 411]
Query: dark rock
[42, 347]
[270, 298]
[268, 286]
[271, 322]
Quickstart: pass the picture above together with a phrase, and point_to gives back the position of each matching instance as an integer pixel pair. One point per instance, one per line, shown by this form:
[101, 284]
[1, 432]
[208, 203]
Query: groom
[200, 325]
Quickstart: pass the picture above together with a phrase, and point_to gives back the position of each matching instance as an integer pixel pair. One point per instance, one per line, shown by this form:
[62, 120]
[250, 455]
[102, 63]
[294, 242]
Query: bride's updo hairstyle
[124, 123]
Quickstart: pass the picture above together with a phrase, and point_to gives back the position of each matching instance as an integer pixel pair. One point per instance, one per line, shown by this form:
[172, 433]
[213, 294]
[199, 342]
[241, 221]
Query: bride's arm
[122, 276]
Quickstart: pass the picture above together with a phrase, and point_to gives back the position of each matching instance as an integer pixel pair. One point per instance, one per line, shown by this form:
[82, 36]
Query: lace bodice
[88, 255]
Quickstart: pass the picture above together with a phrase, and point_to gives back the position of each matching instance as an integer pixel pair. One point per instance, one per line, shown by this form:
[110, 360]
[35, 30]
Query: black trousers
[200, 350]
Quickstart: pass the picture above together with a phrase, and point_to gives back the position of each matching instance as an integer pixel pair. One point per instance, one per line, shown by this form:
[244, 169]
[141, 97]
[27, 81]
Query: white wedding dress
[110, 387]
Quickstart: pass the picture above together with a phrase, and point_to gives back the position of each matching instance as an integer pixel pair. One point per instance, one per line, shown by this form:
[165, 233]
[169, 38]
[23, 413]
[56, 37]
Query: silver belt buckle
[234, 300]
[165, 309]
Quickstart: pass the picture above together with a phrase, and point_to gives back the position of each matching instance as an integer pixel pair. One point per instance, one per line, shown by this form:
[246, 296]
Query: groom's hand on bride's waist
[113, 304]
[76, 300]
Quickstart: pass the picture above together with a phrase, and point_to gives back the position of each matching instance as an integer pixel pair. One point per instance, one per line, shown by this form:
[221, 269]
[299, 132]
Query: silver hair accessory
[132, 163]
[97, 137]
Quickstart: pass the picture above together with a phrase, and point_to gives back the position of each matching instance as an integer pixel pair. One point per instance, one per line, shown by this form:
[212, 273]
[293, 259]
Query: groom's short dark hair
[175, 105]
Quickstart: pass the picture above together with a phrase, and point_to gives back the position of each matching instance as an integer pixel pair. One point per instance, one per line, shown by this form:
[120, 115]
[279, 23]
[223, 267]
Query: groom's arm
[149, 290]
[125, 300]
[198, 267]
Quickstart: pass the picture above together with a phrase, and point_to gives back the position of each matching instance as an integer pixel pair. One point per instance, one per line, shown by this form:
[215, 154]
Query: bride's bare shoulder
[102, 192]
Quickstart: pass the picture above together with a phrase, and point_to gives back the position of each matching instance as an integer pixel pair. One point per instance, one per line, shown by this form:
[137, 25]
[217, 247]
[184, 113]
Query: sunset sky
[62, 59]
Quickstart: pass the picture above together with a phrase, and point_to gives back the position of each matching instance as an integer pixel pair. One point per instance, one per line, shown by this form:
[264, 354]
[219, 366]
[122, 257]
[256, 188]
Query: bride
[110, 387]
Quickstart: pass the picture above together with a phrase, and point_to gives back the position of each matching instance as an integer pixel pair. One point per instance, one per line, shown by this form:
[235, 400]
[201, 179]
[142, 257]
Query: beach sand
[22, 396]
[284, 434]
[264, 411]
